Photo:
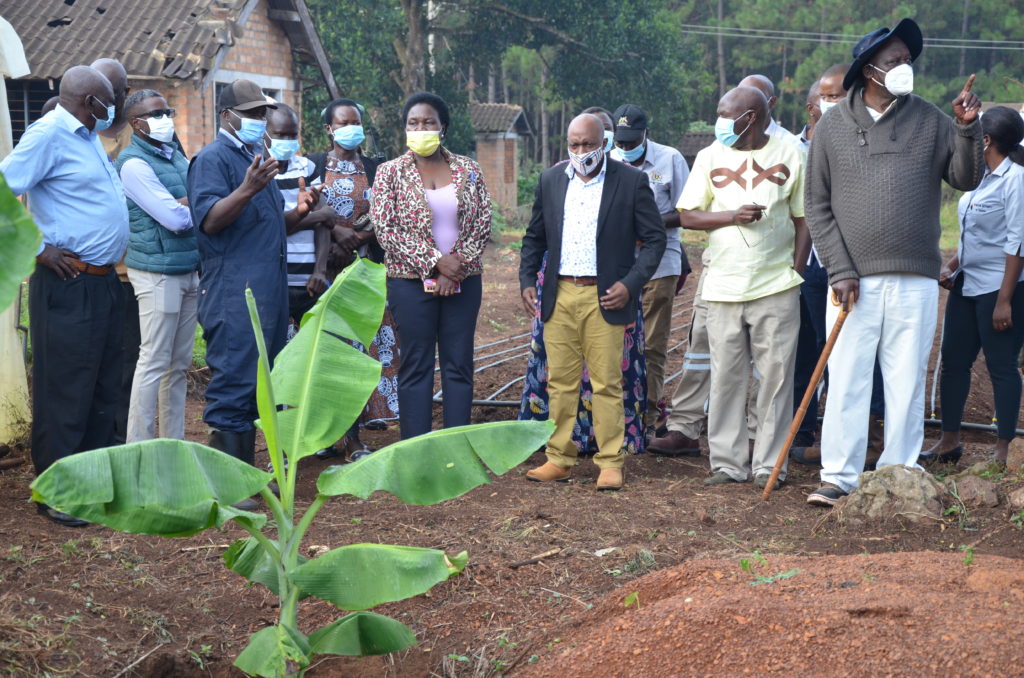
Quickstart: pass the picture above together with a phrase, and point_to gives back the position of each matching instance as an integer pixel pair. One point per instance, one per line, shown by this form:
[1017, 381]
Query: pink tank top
[444, 206]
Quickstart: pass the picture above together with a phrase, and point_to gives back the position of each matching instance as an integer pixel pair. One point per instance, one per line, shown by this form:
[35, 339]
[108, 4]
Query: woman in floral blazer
[432, 215]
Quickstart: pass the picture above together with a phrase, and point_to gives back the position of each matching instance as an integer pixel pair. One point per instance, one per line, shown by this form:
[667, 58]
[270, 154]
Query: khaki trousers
[576, 331]
[691, 394]
[167, 322]
[657, 300]
[764, 330]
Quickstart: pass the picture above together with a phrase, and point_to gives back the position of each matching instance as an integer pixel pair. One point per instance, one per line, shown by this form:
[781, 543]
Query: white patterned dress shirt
[579, 223]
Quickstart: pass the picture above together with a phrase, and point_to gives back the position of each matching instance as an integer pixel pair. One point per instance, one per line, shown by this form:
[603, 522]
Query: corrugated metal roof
[172, 38]
[498, 118]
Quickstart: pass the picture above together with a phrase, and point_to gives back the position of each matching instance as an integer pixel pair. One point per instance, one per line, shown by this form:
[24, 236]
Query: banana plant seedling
[316, 390]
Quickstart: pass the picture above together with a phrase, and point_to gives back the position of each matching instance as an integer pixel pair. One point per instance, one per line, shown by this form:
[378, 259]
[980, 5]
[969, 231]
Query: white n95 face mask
[899, 80]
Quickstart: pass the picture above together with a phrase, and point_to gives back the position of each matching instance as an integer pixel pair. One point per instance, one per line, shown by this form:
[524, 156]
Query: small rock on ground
[974, 491]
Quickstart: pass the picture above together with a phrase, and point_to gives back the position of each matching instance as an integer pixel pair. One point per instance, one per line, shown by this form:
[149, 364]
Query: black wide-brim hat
[906, 30]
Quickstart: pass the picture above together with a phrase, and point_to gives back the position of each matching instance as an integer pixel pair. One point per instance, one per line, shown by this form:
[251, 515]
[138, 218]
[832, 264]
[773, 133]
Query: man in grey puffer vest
[874, 182]
[162, 261]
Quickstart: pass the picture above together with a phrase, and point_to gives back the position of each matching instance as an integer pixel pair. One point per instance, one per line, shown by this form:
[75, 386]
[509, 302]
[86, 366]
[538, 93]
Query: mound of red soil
[923, 614]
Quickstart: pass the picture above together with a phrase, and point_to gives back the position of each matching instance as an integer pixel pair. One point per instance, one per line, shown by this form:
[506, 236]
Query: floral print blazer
[402, 219]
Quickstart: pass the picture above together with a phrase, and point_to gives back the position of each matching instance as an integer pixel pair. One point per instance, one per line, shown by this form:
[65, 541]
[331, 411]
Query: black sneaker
[826, 495]
[328, 452]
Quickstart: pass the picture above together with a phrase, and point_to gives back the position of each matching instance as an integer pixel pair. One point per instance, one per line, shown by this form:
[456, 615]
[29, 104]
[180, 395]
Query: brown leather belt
[91, 269]
[579, 280]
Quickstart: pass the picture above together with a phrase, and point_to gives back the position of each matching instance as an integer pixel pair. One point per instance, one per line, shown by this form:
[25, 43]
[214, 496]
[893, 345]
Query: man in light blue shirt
[76, 304]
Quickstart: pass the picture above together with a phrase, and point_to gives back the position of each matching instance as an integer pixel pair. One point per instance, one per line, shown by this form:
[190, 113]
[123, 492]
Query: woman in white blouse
[985, 307]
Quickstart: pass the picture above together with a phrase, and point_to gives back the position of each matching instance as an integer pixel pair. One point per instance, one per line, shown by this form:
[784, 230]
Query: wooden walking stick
[801, 412]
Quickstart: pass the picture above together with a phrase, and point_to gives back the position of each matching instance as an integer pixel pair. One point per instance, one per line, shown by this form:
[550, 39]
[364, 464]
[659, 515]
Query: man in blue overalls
[241, 218]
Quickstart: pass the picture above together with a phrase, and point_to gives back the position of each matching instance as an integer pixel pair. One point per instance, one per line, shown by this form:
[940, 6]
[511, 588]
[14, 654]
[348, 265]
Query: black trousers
[299, 303]
[968, 329]
[76, 327]
[425, 321]
[132, 340]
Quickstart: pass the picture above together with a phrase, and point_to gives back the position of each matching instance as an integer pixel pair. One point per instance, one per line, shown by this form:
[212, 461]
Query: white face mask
[161, 129]
[899, 80]
[825, 105]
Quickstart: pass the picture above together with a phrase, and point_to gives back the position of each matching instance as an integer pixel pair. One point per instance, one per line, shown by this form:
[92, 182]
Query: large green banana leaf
[361, 634]
[270, 649]
[321, 381]
[19, 242]
[361, 576]
[441, 465]
[249, 559]
[172, 488]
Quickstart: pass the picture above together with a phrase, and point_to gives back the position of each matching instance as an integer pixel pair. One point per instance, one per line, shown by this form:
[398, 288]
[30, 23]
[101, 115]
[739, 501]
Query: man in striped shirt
[283, 143]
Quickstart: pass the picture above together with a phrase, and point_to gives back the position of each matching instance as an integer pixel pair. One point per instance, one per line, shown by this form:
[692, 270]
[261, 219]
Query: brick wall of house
[262, 54]
[499, 162]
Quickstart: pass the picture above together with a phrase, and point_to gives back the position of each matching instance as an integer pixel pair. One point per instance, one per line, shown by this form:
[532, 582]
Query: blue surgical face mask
[284, 149]
[633, 154]
[349, 136]
[104, 124]
[725, 130]
[609, 140]
[250, 131]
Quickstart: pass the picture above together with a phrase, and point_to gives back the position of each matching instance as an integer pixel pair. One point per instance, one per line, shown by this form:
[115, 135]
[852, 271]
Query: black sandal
[951, 457]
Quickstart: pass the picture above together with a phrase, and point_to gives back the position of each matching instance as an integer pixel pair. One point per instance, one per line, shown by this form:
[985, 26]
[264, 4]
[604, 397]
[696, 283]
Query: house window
[25, 99]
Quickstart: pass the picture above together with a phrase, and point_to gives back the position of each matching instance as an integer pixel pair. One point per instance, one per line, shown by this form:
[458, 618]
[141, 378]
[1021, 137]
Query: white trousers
[894, 317]
[167, 323]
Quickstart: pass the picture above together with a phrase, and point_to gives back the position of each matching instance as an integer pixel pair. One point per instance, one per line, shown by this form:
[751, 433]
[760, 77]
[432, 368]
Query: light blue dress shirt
[991, 226]
[74, 193]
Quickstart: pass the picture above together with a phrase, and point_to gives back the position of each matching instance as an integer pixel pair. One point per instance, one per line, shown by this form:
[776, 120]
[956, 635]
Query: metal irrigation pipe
[487, 403]
[507, 350]
[971, 427]
[501, 341]
[506, 386]
[481, 369]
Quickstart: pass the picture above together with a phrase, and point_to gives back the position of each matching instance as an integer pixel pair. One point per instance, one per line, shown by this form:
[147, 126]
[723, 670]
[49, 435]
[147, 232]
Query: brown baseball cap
[243, 95]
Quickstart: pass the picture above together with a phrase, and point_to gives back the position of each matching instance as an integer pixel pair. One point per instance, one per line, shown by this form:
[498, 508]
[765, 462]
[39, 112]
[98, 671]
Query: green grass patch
[199, 349]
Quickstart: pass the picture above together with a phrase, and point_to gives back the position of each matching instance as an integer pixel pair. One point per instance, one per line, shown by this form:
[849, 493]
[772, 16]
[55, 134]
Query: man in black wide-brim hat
[874, 183]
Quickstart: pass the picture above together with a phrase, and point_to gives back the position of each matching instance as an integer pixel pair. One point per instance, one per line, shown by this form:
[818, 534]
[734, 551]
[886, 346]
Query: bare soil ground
[891, 599]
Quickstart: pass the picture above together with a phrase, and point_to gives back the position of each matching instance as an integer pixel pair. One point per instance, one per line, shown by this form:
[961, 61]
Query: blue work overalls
[250, 252]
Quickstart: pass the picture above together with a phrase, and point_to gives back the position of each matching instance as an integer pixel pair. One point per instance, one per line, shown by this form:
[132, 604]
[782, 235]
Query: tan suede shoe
[610, 479]
[548, 472]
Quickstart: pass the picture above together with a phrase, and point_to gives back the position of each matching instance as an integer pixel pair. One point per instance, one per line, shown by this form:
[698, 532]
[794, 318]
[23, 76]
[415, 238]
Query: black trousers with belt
[426, 322]
[968, 329]
[76, 326]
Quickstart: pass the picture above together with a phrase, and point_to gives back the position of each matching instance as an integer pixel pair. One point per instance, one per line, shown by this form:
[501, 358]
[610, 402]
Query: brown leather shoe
[674, 444]
[610, 479]
[548, 472]
[808, 456]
